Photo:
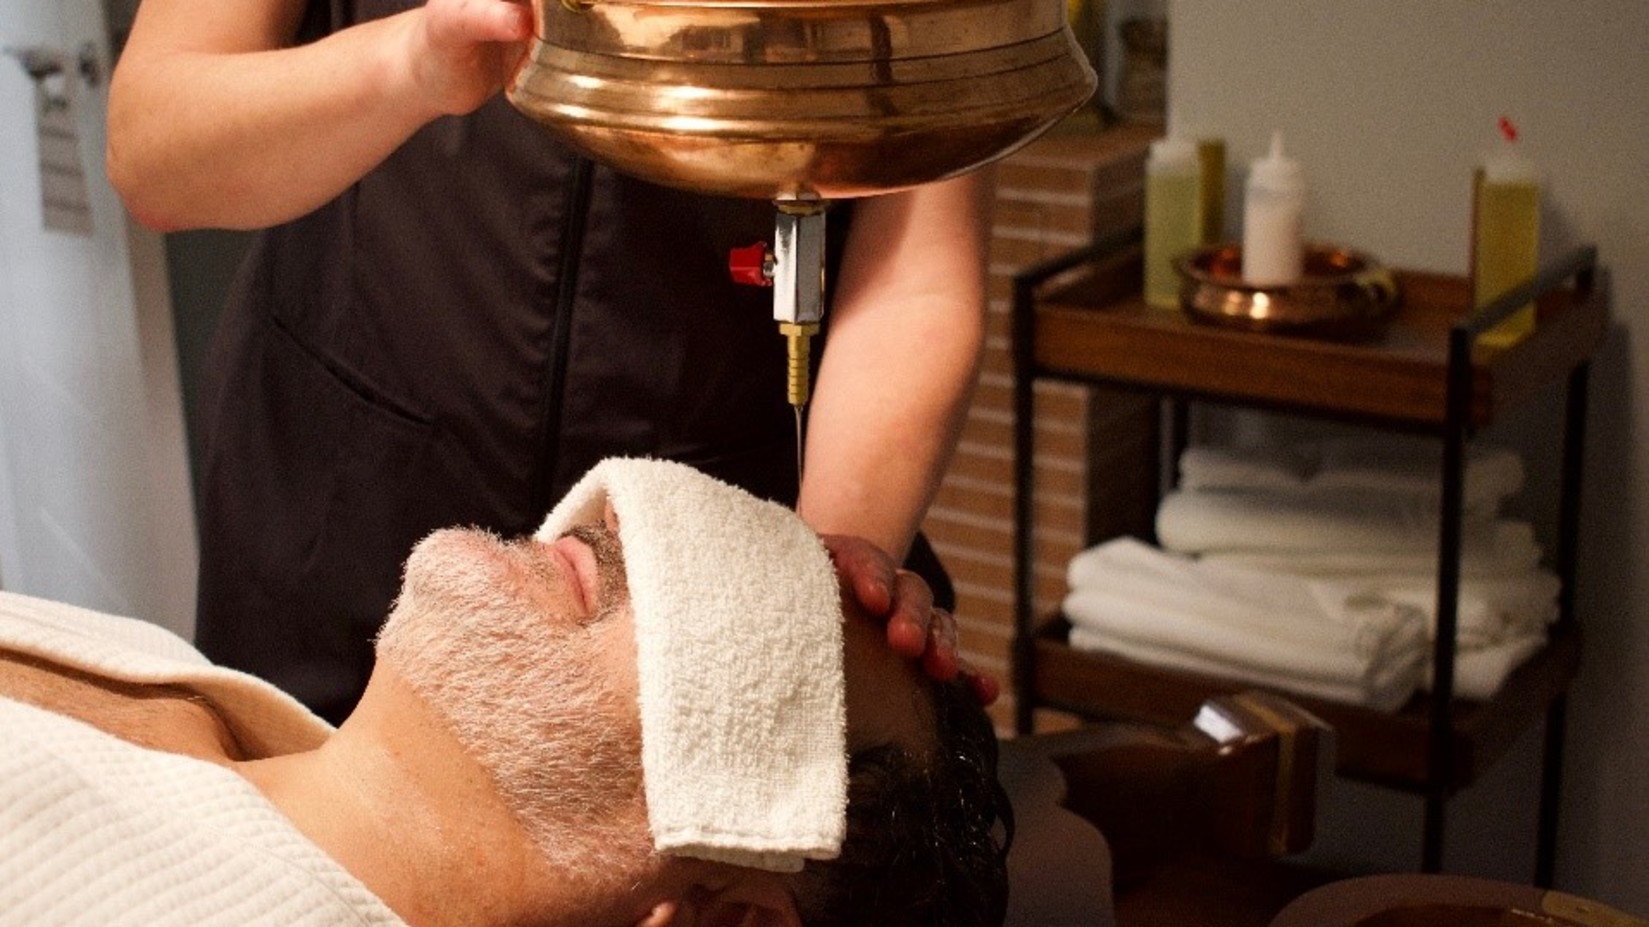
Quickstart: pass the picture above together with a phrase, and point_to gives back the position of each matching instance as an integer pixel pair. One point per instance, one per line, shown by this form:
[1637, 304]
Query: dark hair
[927, 835]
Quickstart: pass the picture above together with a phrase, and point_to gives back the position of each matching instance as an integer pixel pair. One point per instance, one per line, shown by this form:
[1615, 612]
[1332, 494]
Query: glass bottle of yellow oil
[1173, 216]
[1505, 234]
[1211, 186]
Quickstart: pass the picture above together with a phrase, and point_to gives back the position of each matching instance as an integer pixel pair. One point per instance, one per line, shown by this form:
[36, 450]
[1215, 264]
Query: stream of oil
[799, 454]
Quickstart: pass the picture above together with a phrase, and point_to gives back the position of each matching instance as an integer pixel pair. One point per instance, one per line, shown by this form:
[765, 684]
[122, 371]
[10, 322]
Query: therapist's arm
[906, 333]
[217, 120]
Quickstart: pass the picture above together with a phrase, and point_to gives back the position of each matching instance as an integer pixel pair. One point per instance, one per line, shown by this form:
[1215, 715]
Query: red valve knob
[749, 265]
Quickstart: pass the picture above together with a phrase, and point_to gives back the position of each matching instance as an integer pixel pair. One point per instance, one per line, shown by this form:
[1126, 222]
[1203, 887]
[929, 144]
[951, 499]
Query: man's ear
[752, 899]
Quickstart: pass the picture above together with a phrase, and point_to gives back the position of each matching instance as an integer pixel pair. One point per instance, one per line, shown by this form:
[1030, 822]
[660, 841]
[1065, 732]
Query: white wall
[1388, 105]
[94, 494]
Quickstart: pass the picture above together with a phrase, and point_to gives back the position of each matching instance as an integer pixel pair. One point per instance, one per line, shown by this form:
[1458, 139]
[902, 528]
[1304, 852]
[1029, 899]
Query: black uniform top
[454, 341]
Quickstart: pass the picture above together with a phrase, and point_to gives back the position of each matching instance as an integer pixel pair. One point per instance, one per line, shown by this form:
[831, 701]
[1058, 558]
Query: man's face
[526, 650]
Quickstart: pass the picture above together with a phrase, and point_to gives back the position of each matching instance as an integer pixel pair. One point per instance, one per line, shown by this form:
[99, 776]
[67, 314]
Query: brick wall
[1055, 195]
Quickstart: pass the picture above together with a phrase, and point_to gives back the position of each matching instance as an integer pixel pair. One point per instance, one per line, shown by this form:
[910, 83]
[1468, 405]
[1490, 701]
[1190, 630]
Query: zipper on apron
[572, 249]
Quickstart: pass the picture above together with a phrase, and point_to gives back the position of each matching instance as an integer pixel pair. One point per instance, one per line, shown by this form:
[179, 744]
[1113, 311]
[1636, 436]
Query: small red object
[748, 265]
[1507, 130]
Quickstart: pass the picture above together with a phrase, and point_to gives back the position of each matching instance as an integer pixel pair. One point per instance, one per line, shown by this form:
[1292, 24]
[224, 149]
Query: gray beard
[517, 689]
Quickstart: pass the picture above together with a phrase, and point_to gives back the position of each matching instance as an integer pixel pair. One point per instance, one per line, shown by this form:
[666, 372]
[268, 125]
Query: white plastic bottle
[1272, 251]
[1173, 216]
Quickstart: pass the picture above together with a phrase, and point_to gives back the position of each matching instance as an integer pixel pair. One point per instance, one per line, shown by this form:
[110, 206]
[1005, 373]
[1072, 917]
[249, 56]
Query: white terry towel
[739, 652]
[1351, 522]
[1168, 610]
[1487, 612]
[1506, 549]
[1242, 467]
[1396, 464]
[1414, 466]
[1479, 672]
[1387, 688]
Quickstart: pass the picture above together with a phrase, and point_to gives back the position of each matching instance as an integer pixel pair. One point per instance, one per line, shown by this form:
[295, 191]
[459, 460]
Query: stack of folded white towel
[1313, 569]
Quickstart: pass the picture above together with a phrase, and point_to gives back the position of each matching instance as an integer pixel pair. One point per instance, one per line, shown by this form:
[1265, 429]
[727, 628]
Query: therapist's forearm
[214, 123]
[905, 339]
[250, 140]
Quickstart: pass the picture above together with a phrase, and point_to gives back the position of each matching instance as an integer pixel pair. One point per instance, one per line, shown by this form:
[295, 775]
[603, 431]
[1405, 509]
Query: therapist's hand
[915, 628]
[462, 51]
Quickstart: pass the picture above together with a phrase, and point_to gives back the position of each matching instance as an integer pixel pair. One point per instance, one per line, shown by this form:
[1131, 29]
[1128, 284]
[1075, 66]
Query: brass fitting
[798, 338]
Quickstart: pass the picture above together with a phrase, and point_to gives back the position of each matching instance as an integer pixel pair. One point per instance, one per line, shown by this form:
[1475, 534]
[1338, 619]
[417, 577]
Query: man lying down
[637, 719]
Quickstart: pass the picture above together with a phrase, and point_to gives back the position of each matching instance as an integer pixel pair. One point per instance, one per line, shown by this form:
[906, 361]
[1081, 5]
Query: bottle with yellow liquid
[1173, 216]
[1505, 234]
[1211, 158]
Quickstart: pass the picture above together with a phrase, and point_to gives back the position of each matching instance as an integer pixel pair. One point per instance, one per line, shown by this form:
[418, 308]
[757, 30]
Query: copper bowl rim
[1353, 265]
[1344, 293]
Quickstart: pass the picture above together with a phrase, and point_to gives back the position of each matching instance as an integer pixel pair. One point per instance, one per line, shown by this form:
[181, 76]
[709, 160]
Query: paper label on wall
[65, 204]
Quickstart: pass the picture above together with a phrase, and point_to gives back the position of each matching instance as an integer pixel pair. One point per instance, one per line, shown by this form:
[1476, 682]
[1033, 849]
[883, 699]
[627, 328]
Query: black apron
[455, 340]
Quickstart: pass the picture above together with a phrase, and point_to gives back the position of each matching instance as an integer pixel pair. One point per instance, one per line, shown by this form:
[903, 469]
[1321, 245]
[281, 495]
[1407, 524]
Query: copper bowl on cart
[1341, 293]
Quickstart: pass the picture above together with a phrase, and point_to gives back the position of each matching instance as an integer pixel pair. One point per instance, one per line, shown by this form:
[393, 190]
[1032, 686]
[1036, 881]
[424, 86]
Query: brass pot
[1341, 293]
[799, 99]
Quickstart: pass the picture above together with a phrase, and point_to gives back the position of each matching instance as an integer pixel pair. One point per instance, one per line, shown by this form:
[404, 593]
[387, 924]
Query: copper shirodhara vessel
[788, 100]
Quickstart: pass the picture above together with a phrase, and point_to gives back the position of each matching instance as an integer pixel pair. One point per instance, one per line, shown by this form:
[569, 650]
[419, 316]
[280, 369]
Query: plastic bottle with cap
[1173, 216]
[1273, 201]
[1505, 232]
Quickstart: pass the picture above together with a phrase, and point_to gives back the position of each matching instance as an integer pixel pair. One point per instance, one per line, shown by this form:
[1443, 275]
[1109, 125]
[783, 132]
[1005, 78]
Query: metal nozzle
[798, 337]
[794, 267]
[798, 344]
[799, 262]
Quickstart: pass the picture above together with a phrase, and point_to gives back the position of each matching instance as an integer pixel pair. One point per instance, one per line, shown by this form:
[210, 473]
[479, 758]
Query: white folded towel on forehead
[739, 653]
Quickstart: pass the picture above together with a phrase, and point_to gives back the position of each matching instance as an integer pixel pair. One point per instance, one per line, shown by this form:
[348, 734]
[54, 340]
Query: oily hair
[927, 831]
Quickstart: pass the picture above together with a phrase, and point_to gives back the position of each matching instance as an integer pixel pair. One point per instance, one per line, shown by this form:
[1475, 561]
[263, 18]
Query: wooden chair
[1114, 819]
